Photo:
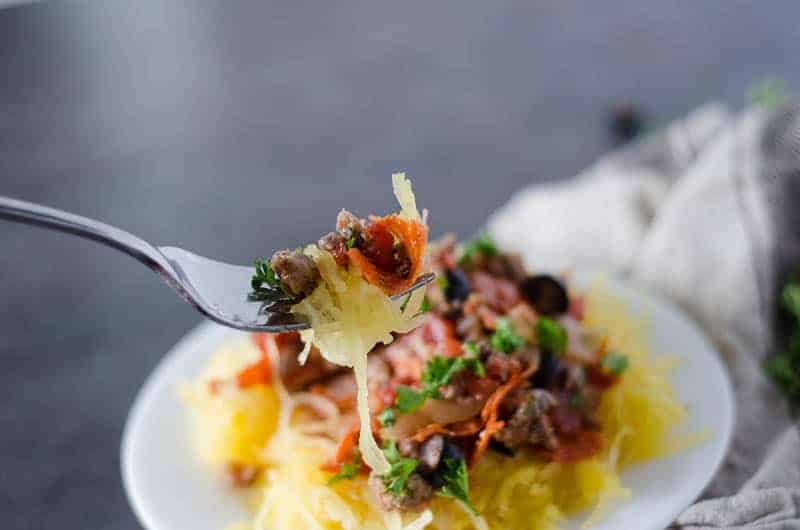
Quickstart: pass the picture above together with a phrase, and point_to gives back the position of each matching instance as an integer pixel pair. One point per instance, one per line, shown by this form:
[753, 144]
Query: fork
[218, 290]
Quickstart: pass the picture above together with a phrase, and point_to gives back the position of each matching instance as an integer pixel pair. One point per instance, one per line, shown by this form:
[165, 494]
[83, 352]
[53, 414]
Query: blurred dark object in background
[626, 123]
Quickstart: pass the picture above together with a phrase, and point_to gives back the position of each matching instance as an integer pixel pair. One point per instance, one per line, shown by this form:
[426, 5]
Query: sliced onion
[439, 411]
[323, 407]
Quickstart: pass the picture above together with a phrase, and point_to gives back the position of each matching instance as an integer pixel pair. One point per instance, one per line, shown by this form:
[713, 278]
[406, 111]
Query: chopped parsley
[470, 348]
[456, 482]
[347, 471]
[482, 245]
[784, 368]
[425, 306]
[408, 399]
[439, 371]
[400, 468]
[504, 339]
[388, 417]
[266, 284]
[264, 275]
[350, 242]
[615, 363]
[442, 282]
[551, 335]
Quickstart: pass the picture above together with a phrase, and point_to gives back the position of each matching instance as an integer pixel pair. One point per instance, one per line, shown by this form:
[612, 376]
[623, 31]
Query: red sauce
[578, 446]
[379, 249]
[602, 380]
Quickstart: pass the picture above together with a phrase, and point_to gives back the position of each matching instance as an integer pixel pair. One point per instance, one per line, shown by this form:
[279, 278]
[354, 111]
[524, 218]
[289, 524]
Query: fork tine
[422, 281]
[220, 291]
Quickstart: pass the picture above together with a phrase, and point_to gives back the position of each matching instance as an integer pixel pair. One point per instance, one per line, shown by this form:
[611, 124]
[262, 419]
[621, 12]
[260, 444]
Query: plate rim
[143, 396]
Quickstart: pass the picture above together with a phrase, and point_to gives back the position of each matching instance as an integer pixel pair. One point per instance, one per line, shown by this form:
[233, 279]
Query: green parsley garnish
[442, 282]
[425, 306]
[350, 242]
[388, 417]
[615, 363]
[551, 335]
[456, 482]
[264, 275]
[348, 471]
[408, 399]
[438, 371]
[400, 468]
[504, 339]
[470, 348]
[784, 368]
[482, 245]
[266, 284]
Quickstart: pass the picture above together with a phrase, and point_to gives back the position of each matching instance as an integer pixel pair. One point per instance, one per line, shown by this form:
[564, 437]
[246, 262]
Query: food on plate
[494, 398]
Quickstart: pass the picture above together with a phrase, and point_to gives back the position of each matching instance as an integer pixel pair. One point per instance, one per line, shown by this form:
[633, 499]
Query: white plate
[169, 490]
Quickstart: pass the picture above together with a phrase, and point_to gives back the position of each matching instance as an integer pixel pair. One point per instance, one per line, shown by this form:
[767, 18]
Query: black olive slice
[547, 295]
[549, 368]
[501, 448]
[457, 286]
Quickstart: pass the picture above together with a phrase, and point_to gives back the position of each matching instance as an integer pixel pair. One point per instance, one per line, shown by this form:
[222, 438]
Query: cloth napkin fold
[707, 213]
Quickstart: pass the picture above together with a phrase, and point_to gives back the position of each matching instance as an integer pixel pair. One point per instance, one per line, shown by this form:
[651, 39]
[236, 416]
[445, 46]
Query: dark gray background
[234, 128]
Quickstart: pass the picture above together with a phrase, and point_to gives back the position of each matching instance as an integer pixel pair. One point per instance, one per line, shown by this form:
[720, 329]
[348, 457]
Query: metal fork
[216, 289]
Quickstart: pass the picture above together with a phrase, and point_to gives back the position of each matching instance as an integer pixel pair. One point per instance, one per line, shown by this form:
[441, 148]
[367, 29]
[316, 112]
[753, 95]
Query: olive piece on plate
[435, 479]
[451, 451]
[501, 448]
[457, 286]
[547, 295]
[549, 367]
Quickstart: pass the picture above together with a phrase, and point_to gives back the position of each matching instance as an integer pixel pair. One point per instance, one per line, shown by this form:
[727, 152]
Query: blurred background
[236, 128]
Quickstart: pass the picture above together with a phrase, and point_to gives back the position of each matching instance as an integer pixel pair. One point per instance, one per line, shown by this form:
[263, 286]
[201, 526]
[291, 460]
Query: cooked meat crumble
[530, 423]
[348, 225]
[297, 272]
[336, 244]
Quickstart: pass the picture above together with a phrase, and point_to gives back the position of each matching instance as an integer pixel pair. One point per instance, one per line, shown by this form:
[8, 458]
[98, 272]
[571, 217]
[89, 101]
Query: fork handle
[44, 216]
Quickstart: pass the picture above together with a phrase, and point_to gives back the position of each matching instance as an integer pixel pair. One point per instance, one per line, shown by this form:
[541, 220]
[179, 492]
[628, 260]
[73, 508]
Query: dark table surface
[234, 128]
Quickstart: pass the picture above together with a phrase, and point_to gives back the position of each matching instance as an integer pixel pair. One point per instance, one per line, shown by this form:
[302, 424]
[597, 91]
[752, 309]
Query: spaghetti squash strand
[370, 452]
